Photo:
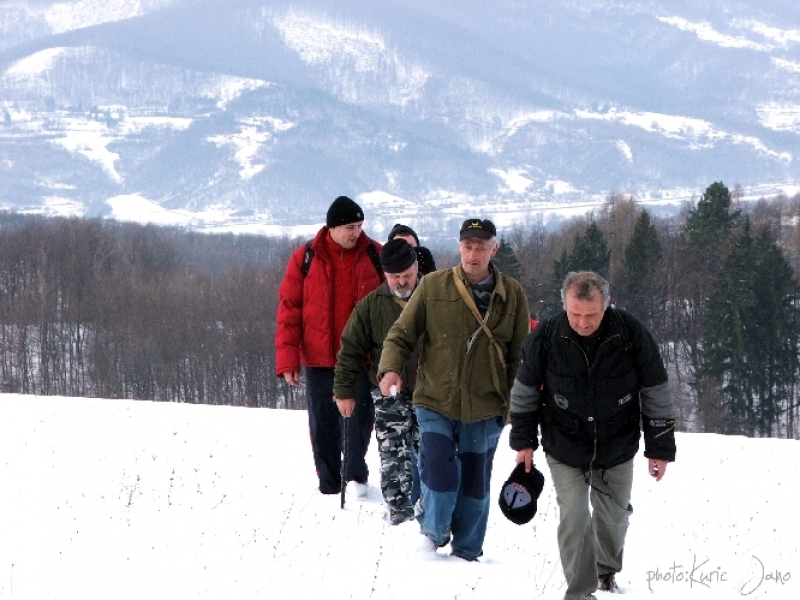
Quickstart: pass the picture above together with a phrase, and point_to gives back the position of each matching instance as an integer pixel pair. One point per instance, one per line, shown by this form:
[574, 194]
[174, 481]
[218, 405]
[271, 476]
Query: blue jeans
[325, 424]
[416, 489]
[455, 468]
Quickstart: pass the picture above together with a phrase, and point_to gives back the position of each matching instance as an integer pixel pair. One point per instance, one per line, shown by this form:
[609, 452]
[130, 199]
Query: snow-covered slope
[129, 500]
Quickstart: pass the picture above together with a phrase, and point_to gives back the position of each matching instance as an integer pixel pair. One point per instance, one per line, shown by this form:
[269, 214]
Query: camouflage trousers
[398, 436]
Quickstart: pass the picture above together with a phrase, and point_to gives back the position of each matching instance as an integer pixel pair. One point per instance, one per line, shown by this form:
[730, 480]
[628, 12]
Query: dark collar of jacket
[608, 326]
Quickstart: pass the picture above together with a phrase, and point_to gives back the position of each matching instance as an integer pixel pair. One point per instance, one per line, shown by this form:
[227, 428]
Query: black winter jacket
[425, 260]
[591, 410]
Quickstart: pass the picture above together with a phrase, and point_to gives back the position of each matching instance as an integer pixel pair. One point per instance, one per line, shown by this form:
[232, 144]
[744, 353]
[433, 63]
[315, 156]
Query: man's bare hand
[292, 377]
[346, 406]
[389, 380]
[526, 456]
[656, 468]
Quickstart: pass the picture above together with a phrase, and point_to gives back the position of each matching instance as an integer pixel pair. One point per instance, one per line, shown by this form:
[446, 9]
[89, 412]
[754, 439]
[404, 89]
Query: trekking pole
[345, 453]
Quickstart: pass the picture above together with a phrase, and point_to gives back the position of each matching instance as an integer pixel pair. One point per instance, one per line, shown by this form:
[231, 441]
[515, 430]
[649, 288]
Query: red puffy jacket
[311, 313]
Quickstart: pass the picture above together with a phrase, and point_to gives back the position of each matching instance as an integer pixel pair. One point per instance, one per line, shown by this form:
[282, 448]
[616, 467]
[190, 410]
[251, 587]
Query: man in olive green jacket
[395, 426]
[471, 322]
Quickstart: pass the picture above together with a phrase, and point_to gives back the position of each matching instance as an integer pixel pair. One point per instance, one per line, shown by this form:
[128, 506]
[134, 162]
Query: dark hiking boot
[606, 583]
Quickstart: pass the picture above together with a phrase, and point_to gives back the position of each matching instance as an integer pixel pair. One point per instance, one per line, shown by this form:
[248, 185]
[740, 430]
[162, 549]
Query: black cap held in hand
[343, 211]
[397, 255]
[519, 494]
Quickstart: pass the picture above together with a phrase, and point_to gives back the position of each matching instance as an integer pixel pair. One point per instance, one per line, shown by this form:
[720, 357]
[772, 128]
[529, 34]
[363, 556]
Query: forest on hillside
[98, 308]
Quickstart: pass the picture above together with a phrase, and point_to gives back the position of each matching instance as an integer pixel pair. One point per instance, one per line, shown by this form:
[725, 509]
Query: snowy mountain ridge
[260, 113]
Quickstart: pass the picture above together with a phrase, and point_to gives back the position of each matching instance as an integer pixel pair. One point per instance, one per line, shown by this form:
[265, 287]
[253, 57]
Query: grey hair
[584, 285]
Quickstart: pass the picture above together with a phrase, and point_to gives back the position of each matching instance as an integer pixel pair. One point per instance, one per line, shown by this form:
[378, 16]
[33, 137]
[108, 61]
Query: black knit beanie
[343, 211]
[400, 229]
[397, 256]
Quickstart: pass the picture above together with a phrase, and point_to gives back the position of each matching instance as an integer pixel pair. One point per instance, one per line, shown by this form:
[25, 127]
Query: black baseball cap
[477, 228]
[519, 494]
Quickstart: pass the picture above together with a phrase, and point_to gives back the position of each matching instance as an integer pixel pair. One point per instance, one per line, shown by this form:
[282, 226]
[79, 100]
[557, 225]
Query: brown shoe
[606, 583]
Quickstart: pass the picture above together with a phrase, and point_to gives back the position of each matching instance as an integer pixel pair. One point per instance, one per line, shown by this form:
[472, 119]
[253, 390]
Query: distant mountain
[254, 115]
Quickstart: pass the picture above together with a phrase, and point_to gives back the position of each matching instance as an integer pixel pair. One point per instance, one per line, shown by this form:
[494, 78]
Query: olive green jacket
[362, 340]
[457, 359]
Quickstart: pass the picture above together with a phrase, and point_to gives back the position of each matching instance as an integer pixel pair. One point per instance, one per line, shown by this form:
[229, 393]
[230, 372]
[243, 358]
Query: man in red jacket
[323, 282]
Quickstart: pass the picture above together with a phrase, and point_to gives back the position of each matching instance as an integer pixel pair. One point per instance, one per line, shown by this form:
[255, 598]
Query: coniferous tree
[506, 260]
[752, 331]
[706, 240]
[776, 334]
[723, 359]
[710, 222]
[589, 253]
[642, 291]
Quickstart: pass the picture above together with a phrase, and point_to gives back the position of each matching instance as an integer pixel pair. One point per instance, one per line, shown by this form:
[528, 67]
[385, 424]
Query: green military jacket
[362, 340]
[457, 359]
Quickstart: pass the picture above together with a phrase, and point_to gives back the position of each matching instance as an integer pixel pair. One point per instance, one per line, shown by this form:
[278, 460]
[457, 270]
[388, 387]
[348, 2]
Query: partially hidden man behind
[587, 377]
[322, 284]
[471, 322]
[426, 262]
[395, 426]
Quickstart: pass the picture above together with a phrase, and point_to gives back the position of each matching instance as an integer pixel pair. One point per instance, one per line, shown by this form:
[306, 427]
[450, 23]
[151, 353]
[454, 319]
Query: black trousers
[325, 424]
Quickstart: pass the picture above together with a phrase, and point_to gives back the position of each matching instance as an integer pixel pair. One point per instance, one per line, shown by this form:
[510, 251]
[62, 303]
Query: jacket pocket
[624, 422]
[617, 387]
[566, 423]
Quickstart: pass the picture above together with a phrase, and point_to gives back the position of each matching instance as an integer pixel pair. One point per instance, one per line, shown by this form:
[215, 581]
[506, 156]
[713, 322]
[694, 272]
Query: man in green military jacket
[395, 426]
[471, 322]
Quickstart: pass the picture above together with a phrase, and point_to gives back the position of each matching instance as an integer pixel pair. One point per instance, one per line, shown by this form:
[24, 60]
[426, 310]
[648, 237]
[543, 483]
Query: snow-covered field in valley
[118, 499]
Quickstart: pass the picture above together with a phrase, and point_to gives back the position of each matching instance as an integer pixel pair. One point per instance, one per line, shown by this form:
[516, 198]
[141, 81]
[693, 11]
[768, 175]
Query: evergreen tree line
[717, 285]
[104, 309]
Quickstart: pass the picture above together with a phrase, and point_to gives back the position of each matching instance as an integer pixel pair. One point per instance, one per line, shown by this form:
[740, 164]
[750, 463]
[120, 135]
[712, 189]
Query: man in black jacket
[589, 376]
